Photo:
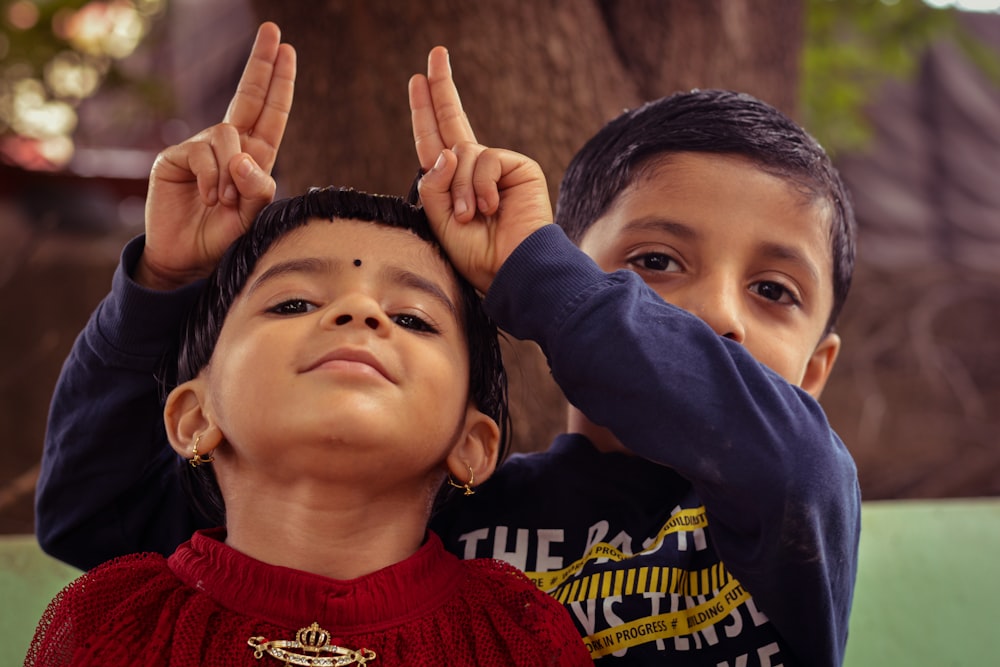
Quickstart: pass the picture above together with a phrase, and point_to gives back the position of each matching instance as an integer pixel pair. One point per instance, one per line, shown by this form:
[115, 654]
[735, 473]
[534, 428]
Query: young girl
[334, 375]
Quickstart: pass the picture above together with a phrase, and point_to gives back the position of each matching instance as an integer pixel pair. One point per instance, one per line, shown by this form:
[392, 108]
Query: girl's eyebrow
[393, 274]
[308, 265]
[407, 278]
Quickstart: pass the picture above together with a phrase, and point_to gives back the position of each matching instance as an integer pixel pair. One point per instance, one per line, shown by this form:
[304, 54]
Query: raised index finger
[426, 136]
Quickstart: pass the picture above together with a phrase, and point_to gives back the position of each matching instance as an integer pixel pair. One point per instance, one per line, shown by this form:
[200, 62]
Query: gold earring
[467, 487]
[196, 458]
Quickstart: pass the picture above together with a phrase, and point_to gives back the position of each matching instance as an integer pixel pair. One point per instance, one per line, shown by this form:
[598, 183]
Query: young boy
[734, 462]
[335, 372]
[700, 504]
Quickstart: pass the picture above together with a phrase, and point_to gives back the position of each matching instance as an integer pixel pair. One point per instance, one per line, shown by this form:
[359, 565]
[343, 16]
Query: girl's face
[343, 355]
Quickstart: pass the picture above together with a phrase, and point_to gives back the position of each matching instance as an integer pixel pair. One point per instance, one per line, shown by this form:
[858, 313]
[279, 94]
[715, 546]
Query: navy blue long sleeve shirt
[730, 538]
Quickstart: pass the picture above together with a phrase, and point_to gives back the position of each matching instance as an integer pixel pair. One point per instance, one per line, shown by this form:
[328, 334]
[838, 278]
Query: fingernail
[244, 167]
[482, 205]
[439, 164]
[460, 206]
[230, 193]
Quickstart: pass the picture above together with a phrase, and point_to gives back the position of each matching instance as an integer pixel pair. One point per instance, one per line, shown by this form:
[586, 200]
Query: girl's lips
[346, 358]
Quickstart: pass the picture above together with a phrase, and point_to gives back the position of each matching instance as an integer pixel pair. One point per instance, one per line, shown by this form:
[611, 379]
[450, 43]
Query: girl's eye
[655, 261]
[413, 323]
[776, 292]
[293, 307]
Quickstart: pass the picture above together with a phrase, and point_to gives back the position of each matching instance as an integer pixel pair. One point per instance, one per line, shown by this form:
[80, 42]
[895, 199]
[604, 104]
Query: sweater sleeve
[109, 482]
[779, 487]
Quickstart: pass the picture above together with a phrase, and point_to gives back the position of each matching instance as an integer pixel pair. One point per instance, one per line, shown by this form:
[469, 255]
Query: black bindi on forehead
[357, 262]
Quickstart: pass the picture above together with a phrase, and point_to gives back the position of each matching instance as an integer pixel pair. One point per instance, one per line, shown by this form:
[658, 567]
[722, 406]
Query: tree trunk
[538, 76]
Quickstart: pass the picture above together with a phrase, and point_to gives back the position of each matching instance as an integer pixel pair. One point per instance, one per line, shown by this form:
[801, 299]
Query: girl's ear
[188, 420]
[820, 364]
[474, 458]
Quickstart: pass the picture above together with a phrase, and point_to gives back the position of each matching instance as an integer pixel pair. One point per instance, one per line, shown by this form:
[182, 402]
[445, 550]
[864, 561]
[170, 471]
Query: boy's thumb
[255, 186]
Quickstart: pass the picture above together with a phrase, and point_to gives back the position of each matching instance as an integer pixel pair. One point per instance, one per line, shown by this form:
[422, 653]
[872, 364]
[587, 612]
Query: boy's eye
[655, 261]
[776, 292]
[414, 323]
[293, 307]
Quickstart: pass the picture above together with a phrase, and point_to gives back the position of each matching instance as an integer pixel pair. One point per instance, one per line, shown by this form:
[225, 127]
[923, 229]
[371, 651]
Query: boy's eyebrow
[394, 274]
[655, 223]
[789, 253]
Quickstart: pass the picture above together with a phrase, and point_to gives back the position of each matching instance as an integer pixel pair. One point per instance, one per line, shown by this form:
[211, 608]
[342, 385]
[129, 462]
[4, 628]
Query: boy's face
[344, 351]
[736, 246]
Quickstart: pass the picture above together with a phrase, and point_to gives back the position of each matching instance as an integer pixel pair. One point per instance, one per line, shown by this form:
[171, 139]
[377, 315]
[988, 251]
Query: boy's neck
[602, 439]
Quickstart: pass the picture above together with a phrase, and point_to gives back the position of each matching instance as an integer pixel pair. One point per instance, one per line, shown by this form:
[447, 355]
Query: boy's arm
[779, 487]
[107, 486]
[109, 483]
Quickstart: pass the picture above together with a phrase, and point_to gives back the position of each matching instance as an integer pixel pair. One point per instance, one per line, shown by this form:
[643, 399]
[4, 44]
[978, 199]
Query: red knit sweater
[209, 605]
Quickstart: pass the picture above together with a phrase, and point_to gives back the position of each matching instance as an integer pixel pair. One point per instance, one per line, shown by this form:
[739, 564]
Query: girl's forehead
[341, 236]
[362, 246]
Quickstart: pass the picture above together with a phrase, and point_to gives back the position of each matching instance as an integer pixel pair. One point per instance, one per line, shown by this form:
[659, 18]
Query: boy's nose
[720, 309]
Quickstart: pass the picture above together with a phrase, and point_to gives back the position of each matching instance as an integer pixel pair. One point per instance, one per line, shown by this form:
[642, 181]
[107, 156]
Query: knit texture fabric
[200, 607]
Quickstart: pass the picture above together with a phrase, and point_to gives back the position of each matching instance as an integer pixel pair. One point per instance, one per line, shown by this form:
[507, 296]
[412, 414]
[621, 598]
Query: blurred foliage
[854, 46]
[54, 54]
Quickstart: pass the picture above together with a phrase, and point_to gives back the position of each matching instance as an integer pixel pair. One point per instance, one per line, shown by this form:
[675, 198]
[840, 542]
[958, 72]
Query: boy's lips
[344, 357]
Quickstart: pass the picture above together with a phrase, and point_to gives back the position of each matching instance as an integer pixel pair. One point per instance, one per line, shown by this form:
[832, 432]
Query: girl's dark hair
[487, 378]
[707, 121]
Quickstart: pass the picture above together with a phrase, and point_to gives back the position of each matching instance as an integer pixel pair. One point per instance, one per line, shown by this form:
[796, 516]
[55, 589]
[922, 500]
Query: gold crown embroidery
[312, 642]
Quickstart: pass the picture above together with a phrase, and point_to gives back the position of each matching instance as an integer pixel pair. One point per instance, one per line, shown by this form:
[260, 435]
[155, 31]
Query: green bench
[928, 590]
[28, 581]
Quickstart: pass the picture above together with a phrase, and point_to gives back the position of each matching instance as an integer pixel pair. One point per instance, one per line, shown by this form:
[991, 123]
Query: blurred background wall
[904, 94]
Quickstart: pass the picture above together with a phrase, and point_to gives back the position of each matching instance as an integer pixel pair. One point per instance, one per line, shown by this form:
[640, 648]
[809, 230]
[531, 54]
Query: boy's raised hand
[482, 202]
[205, 191]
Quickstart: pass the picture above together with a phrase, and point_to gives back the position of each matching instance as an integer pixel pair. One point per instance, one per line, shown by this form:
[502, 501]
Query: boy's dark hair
[487, 378]
[707, 121]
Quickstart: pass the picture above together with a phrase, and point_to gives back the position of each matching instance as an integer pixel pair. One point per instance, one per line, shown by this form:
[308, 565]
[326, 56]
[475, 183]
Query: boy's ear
[187, 420]
[820, 364]
[474, 457]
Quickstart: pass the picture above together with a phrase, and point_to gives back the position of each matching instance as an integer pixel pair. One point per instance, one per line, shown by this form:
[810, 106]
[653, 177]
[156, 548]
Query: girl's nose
[345, 318]
[356, 309]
